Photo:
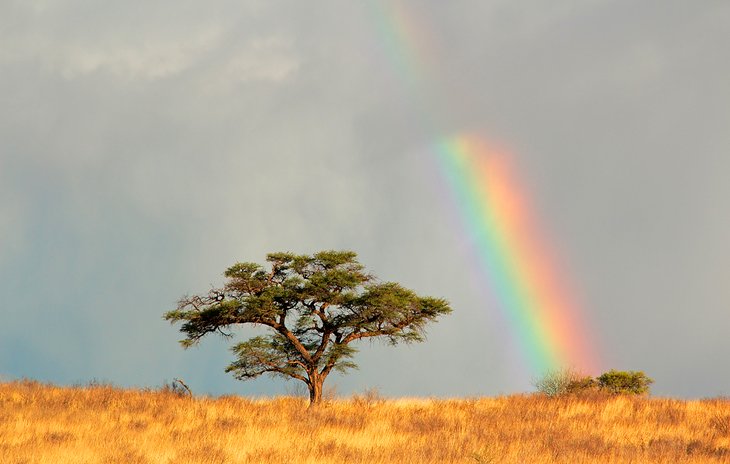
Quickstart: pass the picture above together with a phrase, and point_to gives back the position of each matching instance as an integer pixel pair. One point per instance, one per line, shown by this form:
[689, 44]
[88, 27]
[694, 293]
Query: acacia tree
[314, 308]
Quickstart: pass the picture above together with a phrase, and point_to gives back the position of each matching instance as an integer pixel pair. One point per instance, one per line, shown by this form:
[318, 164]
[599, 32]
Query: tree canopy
[314, 307]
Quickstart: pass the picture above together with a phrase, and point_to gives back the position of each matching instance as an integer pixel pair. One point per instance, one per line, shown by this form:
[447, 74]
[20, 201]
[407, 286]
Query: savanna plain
[41, 423]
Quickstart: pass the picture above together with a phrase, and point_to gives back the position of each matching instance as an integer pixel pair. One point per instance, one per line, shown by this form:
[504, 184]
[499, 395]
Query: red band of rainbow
[517, 264]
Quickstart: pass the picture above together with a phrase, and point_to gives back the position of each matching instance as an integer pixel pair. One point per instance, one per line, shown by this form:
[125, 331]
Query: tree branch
[322, 346]
[295, 342]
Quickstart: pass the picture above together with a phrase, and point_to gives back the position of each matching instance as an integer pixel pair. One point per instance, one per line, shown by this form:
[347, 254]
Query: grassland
[46, 424]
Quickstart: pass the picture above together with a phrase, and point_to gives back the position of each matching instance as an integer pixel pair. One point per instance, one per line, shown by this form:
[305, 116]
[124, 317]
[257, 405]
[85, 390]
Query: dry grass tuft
[100, 424]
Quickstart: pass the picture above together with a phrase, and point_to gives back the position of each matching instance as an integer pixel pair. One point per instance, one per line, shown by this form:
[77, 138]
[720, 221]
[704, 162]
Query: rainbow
[510, 249]
[511, 252]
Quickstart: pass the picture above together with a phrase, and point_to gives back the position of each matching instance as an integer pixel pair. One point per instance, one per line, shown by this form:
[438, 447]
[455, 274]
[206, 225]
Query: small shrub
[177, 387]
[329, 394]
[97, 383]
[369, 398]
[625, 382]
[564, 382]
[582, 384]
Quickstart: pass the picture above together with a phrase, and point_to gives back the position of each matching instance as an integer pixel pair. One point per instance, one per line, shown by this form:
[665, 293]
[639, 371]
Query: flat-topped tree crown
[314, 306]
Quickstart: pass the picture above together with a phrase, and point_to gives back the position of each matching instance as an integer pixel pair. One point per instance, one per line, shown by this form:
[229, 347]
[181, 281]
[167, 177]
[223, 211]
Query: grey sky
[146, 146]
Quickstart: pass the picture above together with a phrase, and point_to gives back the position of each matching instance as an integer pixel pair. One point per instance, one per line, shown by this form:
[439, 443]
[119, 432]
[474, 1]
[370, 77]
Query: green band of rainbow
[516, 264]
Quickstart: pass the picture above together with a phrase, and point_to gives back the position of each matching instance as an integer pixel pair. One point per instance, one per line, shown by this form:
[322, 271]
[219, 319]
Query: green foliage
[582, 384]
[314, 307]
[625, 382]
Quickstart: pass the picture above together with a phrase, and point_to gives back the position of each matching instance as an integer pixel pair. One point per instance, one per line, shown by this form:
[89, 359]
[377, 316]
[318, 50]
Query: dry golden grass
[48, 425]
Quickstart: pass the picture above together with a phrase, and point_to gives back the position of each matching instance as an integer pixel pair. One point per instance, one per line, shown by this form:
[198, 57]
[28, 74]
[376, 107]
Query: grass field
[100, 424]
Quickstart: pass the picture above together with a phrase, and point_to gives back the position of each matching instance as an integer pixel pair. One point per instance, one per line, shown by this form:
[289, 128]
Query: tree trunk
[315, 389]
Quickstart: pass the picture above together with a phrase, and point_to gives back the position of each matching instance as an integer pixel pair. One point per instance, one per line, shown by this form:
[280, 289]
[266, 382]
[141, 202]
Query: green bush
[624, 382]
[582, 384]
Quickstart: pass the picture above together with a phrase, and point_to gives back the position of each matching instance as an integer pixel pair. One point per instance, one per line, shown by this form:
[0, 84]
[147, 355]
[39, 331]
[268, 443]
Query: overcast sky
[146, 146]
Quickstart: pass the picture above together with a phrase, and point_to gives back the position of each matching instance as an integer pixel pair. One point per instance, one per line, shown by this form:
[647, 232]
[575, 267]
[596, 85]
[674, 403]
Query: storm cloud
[146, 146]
